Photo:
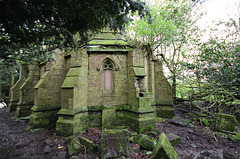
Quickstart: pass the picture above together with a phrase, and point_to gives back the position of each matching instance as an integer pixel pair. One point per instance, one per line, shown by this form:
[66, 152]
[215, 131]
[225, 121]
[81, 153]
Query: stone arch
[108, 68]
[116, 67]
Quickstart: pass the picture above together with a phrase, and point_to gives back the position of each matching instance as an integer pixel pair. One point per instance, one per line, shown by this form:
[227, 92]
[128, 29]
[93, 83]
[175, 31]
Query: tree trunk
[174, 86]
[0, 83]
[12, 82]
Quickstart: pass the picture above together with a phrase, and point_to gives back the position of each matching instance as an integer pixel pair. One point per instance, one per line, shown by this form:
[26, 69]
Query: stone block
[142, 124]
[64, 127]
[146, 142]
[74, 147]
[224, 122]
[90, 146]
[114, 143]
[43, 118]
[163, 149]
[95, 118]
[180, 121]
[23, 110]
[173, 138]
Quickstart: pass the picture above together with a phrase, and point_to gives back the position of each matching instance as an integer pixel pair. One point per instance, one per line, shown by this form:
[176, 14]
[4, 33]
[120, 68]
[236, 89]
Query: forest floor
[197, 141]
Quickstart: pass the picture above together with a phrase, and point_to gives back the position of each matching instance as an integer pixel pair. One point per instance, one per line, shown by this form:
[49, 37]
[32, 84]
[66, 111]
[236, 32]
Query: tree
[27, 23]
[168, 33]
[217, 68]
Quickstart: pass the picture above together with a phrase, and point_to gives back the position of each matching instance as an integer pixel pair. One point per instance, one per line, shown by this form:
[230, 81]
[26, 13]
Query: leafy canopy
[27, 23]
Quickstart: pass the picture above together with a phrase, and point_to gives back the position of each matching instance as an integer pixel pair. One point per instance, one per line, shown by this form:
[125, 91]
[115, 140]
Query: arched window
[108, 75]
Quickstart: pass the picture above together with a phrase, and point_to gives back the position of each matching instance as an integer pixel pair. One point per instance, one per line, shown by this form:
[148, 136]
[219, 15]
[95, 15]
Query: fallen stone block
[224, 122]
[146, 142]
[163, 149]
[90, 146]
[173, 138]
[180, 121]
[47, 149]
[114, 143]
[212, 154]
[74, 147]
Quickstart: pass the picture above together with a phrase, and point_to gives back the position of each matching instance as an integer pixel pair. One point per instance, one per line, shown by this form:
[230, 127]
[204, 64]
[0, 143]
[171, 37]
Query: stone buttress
[26, 94]
[47, 93]
[15, 93]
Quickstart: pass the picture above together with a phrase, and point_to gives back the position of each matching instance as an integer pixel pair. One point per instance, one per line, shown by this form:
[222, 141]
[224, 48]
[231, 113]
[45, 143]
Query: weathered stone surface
[165, 111]
[90, 146]
[74, 147]
[108, 118]
[47, 149]
[114, 143]
[224, 122]
[218, 154]
[105, 74]
[146, 142]
[164, 149]
[26, 97]
[15, 93]
[173, 138]
[62, 155]
[163, 91]
[180, 121]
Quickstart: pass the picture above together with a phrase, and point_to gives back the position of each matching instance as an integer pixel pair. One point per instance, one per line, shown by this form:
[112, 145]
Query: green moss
[173, 138]
[234, 138]
[139, 71]
[205, 122]
[224, 122]
[165, 112]
[69, 82]
[114, 143]
[158, 119]
[108, 42]
[146, 142]
[201, 114]
[90, 146]
[122, 107]
[74, 147]
[164, 149]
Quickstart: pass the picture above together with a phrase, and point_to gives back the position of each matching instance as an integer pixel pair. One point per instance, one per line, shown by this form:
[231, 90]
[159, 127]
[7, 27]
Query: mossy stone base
[43, 119]
[108, 118]
[141, 122]
[165, 111]
[71, 124]
[114, 143]
[164, 149]
[95, 119]
[23, 110]
[224, 122]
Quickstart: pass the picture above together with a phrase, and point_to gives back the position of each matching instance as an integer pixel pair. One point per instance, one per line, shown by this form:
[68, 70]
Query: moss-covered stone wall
[47, 94]
[96, 93]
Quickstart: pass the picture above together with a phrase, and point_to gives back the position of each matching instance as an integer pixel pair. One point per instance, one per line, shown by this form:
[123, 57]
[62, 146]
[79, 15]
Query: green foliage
[168, 33]
[28, 26]
[9, 75]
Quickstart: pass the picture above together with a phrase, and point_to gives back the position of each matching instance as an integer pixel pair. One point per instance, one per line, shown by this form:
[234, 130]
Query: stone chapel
[107, 83]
